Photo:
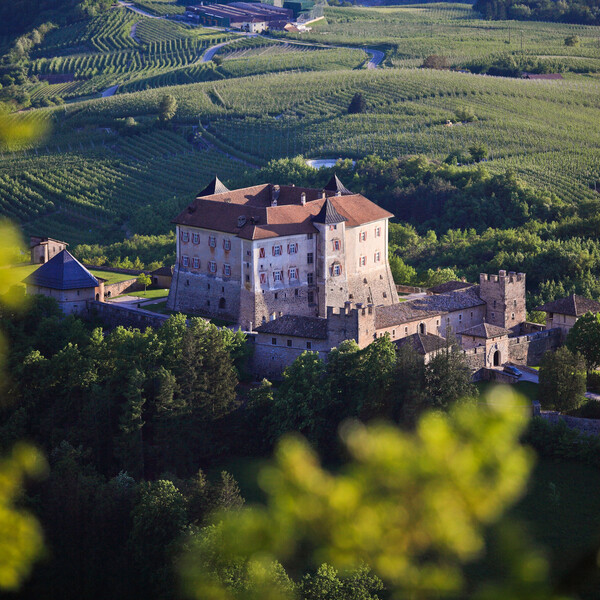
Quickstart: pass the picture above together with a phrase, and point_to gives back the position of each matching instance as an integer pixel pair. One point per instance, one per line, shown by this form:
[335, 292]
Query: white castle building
[254, 254]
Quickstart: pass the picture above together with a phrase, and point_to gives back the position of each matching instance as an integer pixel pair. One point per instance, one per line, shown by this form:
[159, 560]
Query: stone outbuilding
[427, 345]
[564, 312]
[44, 248]
[65, 279]
[162, 277]
[489, 339]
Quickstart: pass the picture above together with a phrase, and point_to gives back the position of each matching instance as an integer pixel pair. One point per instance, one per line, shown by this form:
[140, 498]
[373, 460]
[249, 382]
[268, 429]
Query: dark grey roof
[572, 305]
[216, 186]
[449, 286]
[62, 272]
[485, 330]
[295, 326]
[422, 343]
[168, 271]
[328, 214]
[429, 306]
[335, 185]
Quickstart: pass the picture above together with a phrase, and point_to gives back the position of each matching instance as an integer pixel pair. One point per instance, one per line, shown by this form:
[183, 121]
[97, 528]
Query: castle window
[277, 275]
[263, 278]
[289, 343]
[292, 248]
[212, 241]
[310, 258]
[460, 318]
[309, 278]
[362, 236]
[515, 303]
[261, 253]
[493, 315]
[377, 256]
[247, 278]
[248, 253]
[196, 238]
[336, 244]
[406, 331]
[332, 227]
[336, 269]
[362, 261]
[293, 274]
[513, 316]
[393, 333]
[212, 266]
[227, 270]
[227, 245]
[276, 295]
[185, 236]
[296, 292]
[309, 236]
[274, 341]
[308, 345]
[494, 304]
[311, 297]
[196, 262]
[471, 315]
[277, 250]
[377, 231]
[185, 261]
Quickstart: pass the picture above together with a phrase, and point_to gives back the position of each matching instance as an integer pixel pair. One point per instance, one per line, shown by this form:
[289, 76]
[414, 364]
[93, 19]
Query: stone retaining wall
[530, 349]
[114, 315]
[122, 287]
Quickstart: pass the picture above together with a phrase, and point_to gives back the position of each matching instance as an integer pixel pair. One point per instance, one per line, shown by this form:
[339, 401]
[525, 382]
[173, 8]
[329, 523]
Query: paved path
[376, 57]
[208, 55]
[138, 10]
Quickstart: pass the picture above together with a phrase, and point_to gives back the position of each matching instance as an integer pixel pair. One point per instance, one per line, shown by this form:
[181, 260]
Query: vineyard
[409, 33]
[270, 98]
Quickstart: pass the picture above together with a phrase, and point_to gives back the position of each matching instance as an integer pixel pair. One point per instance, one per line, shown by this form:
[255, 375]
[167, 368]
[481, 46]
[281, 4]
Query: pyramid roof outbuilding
[62, 272]
[571, 305]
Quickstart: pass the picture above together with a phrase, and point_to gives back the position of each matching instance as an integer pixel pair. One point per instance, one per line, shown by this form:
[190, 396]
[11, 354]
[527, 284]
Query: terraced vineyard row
[161, 7]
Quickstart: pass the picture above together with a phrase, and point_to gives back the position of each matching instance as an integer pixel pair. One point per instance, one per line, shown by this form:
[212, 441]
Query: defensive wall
[529, 349]
[114, 315]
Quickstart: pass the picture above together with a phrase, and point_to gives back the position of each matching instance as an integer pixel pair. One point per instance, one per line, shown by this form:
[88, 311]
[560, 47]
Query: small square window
[308, 345]
[196, 238]
[309, 258]
[289, 343]
[309, 278]
[227, 245]
[296, 292]
[212, 241]
[309, 236]
[196, 262]
[274, 341]
[276, 295]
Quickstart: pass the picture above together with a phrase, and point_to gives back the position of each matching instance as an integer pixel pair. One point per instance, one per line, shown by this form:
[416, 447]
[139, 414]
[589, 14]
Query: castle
[255, 254]
[488, 320]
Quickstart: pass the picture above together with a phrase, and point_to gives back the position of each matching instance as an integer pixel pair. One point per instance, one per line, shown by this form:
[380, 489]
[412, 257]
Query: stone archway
[497, 358]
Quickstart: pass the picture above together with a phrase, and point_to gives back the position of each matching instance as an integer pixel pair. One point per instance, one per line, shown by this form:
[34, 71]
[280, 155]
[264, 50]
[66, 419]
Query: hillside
[107, 169]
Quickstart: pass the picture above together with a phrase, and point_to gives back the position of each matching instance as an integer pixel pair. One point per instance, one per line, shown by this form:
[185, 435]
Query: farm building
[64, 278]
[246, 16]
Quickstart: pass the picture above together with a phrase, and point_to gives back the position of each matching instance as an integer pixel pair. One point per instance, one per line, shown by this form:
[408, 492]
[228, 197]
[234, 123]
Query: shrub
[572, 40]
[436, 61]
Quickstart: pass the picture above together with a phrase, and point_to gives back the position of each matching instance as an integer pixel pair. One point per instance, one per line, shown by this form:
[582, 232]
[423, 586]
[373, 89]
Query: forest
[585, 12]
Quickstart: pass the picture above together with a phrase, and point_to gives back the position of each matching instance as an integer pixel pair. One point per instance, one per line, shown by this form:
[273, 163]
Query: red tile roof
[222, 212]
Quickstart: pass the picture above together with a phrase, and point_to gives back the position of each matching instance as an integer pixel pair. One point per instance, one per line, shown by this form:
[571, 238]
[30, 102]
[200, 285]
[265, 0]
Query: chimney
[323, 195]
[275, 195]
[338, 193]
[303, 198]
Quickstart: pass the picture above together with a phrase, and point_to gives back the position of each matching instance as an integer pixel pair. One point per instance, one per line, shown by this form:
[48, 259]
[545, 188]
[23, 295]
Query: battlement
[502, 277]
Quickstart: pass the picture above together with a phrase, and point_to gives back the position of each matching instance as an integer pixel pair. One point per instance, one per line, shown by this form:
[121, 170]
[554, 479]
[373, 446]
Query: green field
[150, 294]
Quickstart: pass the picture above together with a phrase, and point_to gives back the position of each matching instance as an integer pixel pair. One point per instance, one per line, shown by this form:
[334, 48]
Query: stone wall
[122, 287]
[475, 358]
[114, 315]
[529, 349]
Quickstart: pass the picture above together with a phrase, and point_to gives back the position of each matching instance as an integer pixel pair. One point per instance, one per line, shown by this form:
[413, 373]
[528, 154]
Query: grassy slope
[24, 270]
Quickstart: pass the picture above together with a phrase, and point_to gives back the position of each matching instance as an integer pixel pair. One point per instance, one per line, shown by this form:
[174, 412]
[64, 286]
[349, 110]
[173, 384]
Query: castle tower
[504, 295]
[332, 279]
